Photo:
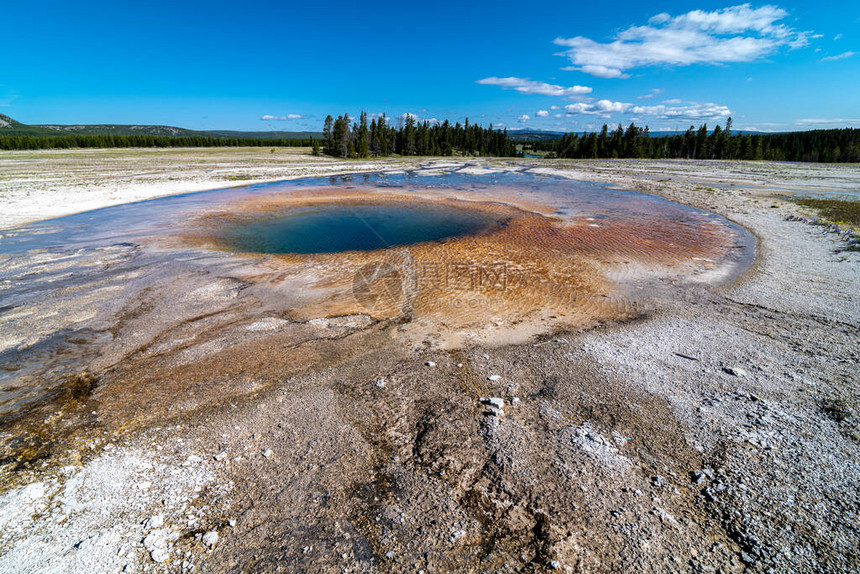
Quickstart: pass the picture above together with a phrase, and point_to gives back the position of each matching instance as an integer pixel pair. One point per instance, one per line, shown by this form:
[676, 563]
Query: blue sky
[566, 66]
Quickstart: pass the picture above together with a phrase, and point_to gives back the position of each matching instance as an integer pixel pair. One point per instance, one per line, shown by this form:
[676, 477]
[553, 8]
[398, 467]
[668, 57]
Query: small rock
[232, 523]
[496, 402]
[658, 480]
[268, 452]
[430, 364]
[389, 554]
[494, 378]
[154, 522]
[210, 539]
[459, 365]
[515, 401]
[735, 371]
[159, 554]
[380, 382]
[457, 534]
[665, 517]
[554, 565]
[220, 456]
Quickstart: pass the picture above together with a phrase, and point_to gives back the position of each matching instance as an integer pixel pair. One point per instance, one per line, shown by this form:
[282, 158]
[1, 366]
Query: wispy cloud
[527, 86]
[691, 111]
[839, 122]
[285, 118]
[842, 56]
[734, 34]
[652, 94]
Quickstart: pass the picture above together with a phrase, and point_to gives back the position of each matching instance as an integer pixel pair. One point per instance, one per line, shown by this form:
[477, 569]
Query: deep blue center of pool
[337, 228]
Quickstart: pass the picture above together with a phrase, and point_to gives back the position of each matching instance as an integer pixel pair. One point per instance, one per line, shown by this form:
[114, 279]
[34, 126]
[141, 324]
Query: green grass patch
[836, 210]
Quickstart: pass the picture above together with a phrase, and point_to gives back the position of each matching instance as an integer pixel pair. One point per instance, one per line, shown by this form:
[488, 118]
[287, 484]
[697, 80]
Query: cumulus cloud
[842, 56]
[416, 118]
[735, 34]
[285, 118]
[527, 86]
[523, 118]
[542, 113]
[692, 111]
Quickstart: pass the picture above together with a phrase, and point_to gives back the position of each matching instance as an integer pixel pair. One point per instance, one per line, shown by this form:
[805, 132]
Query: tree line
[833, 145]
[118, 141]
[343, 137]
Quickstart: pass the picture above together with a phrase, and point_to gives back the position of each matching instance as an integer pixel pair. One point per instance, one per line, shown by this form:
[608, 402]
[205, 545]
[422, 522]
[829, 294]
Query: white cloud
[285, 118]
[842, 56]
[523, 119]
[734, 34]
[526, 86]
[418, 120]
[837, 37]
[653, 93]
[692, 111]
[554, 107]
[835, 122]
[542, 113]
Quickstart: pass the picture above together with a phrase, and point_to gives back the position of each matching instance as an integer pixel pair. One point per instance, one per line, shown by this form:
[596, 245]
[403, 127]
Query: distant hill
[10, 127]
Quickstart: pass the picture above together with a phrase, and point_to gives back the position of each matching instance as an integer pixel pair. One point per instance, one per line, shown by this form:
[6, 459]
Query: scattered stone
[380, 382]
[658, 481]
[735, 371]
[210, 539]
[457, 534]
[430, 364]
[515, 401]
[268, 452]
[554, 565]
[494, 378]
[459, 365]
[220, 456]
[389, 554]
[232, 523]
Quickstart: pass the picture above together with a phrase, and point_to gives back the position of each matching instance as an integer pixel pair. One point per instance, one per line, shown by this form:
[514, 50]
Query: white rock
[380, 382]
[154, 522]
[430, 364]
[494, 378]
[496, 402]
[268, 452]
[220, 456]
[159, 554]
[210, 539]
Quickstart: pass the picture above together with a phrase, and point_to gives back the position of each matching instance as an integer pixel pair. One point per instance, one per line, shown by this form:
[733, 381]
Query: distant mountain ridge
[11, 127]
